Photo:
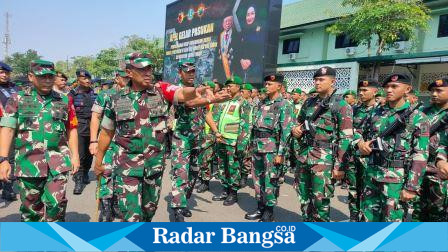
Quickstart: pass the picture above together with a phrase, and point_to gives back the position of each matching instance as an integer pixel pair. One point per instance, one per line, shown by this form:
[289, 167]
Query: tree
[20, 62]
[383, 22]
[106, 63]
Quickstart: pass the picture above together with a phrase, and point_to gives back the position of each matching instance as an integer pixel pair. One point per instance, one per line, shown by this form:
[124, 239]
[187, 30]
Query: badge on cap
[365, 83]
[324, 71]
[439, 83]
[272, 78]
[394, 78]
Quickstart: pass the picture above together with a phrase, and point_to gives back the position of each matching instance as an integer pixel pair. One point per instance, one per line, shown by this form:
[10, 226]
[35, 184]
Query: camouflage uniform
[387, 175]
[139, 120]
[41, 152]
[354, 175]
[207, 157]
[432, 204]
[230, 150]
[272, 127]
[188, 137]
[322, 153]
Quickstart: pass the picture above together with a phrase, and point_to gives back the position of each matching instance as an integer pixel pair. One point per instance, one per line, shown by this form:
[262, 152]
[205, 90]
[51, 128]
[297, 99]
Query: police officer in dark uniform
[7, 89]
[83, 98]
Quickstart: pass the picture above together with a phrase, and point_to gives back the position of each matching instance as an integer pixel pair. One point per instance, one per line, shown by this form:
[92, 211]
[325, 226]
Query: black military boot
[231, 199]
[205, 185]
[78, 177]
[243, 181]
[222, 196]
[257, 214]
[8, 193]
[178, 215]
[186, 213]
[268, 215]
[85, 178]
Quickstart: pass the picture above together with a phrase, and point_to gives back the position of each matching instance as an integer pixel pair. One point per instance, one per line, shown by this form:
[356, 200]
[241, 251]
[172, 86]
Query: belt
[263, 134]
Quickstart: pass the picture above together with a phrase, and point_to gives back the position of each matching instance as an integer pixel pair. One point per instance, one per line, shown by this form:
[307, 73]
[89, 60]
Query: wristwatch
[3, 159]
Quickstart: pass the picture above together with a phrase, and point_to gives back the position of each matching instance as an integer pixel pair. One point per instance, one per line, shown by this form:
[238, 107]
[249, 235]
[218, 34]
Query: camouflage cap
[42, 67]
[210, 84]
[234, 80]
[248, 86]
[439, 83]
[350, 92]
[138, 60]
[186, 65]
[5, 67]
[83, 73]
[297, 91]
[121, 73]
[398, 78]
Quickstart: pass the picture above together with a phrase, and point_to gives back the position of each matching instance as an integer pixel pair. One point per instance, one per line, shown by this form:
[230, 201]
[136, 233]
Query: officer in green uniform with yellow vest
[232, 135]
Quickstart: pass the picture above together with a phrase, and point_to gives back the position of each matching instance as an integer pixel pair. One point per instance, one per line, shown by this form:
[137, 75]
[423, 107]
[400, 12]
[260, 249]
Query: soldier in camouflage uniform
[397, 153]
[271, 129]
[232, 136]
[105, 180]
[433, 202]
[7, 89]
[442, 166]
[246, 163]
[325, 131]
[135, 120]
[354, 175]
[46, 145]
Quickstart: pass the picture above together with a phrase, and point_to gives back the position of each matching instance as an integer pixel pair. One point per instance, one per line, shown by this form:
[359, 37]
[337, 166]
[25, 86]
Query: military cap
[275, 78]
[398, 77]
[415, 92]
[263, 91]
[248, 86]
[313, 90]
[138, 60]
[234, 80]
[42, 67]
[297, 91]
[350, 92]
[369, 83]
[70, 82]
[210, 84]
[325, 71]
[439, 83]
[120, 73]
[186, 65]
[5, 67]
[83, 73]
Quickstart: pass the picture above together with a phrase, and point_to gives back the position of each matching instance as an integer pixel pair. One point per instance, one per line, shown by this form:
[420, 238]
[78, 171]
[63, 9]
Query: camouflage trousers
[185, 162]
[432, 205]
[43, 199]
[265, 176]
[354, 179]
[105, 185]
[380, 201]
[229, 166]
[138, 197]
[314, 188]
[207, 158]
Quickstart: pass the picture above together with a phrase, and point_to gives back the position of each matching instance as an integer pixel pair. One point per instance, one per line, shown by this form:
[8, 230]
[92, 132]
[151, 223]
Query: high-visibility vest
[229, 121]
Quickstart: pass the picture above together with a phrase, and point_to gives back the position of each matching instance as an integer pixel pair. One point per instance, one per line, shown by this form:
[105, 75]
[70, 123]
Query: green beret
[234, 80]
[297, 91]
[380, 93]
[312, 91]
[210, 84]
[248, 86]
[263, 91]
[350, 92]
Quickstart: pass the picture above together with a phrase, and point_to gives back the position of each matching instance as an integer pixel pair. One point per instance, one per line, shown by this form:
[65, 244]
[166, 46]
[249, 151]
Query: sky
[61, 29]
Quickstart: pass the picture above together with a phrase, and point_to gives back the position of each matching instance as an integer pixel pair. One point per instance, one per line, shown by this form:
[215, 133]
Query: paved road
[82, 208]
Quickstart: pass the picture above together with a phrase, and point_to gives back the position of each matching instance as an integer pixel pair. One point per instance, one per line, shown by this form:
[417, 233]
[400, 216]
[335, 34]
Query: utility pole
[7, 39]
